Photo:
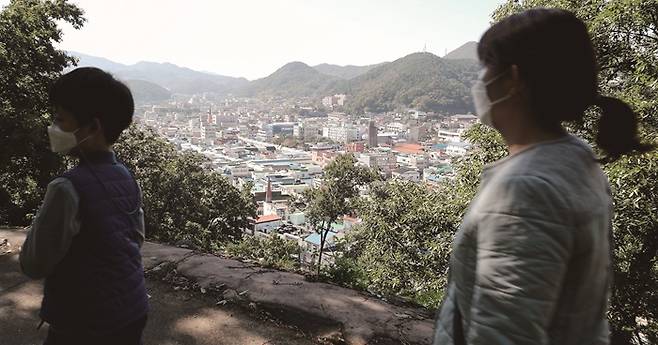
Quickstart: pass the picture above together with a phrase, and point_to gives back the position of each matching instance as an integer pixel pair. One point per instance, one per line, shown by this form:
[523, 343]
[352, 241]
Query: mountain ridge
[294, 79]
[467, 51]
[418, 80]
[344, 72]
[174, 78]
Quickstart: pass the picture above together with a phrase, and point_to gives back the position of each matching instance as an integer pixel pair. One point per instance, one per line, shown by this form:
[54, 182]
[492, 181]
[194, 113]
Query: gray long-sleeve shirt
[56, 224]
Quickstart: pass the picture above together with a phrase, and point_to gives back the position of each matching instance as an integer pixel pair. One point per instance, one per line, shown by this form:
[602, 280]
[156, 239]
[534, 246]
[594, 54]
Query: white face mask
[61, 141]
[481, 99]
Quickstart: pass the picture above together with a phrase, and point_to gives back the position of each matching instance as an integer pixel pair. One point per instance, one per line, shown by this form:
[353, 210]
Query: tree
[420, 80]
[336, 196]
[29, 64]
[183, 201]
[403, 242]
[625, 36]
[286, 141]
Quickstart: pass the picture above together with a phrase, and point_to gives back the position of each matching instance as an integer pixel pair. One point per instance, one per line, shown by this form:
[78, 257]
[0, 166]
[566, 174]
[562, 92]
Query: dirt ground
[177, 317]
[201, 299]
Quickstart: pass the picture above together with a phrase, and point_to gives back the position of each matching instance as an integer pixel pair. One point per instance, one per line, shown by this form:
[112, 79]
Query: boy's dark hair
[556, 60]
[88, 93]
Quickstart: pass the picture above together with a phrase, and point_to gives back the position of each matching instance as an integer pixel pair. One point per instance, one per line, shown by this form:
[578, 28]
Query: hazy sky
[252, 38]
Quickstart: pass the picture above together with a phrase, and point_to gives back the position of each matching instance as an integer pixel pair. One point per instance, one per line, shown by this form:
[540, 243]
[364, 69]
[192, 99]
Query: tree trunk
[321, 248]
[320, 256]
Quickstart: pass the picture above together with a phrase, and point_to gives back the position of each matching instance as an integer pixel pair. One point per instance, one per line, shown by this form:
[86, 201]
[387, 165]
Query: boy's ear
[96, 124]
[97, 127]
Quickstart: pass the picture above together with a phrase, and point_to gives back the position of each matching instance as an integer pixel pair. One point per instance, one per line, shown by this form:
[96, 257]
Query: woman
[531, 262]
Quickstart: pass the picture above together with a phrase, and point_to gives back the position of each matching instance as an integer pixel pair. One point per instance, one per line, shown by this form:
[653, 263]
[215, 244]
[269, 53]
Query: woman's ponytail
[617, 129]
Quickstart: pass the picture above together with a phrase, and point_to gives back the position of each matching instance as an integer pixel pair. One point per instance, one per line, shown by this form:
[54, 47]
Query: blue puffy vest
[98, 288]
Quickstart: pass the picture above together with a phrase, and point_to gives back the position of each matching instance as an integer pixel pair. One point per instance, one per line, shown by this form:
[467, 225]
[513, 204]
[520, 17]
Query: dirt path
[177, 317]
[256, 306]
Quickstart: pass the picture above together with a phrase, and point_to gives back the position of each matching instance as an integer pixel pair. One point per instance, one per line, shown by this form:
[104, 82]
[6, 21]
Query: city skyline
[253, 38]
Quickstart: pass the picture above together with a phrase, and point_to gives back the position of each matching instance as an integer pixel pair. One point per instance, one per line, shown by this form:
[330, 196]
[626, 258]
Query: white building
[451, 136]
[343, 134]
[328, 101]
[457, 148]
[417, 114]
[464, 120]
[267, 223]
[332, 101]
[396, 127]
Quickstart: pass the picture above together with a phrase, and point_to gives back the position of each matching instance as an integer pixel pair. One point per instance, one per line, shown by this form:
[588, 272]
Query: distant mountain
[295, 79]
[180, 79]
[420, 80]
[344, 72]
[174, 78]
[147, 92]
[467, 51]
[94, 61]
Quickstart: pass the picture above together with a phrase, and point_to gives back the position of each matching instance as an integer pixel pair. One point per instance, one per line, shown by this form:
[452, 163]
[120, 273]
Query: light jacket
[531, 262]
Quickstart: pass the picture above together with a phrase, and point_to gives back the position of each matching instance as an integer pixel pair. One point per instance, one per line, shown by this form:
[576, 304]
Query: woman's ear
[515, 76]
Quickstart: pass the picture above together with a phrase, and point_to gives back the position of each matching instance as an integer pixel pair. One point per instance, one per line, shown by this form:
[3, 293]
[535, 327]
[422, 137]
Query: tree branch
[637, 34]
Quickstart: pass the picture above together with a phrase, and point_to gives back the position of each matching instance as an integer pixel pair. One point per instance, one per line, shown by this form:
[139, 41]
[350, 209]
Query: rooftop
[267, 218]
[315, 238]
[409, 148]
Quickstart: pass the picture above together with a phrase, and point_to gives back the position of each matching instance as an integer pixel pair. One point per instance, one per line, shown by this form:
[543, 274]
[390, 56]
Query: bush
[272, 251]
[345, 271]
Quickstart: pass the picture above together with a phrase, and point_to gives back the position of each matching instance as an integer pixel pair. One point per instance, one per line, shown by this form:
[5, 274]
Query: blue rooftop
[315, 238]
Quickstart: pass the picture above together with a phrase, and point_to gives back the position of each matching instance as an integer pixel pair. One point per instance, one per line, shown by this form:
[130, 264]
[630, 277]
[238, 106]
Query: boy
[86, 238]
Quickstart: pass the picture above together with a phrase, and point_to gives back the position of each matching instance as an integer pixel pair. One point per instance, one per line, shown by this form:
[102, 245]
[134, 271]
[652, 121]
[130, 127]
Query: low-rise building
[457, 148]
[298, 218]
[357, 146]
[335, 100]
[342, 134]
[267, 223]
[384, 161]
[450, 136]
[406, 174]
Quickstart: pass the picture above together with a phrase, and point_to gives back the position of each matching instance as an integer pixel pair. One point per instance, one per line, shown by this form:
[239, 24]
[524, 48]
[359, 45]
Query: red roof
[267, 218]
[409, 148]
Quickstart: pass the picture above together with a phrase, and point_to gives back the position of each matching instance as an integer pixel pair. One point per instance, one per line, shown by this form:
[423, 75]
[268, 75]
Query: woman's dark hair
[88, 93]
[556, 60]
